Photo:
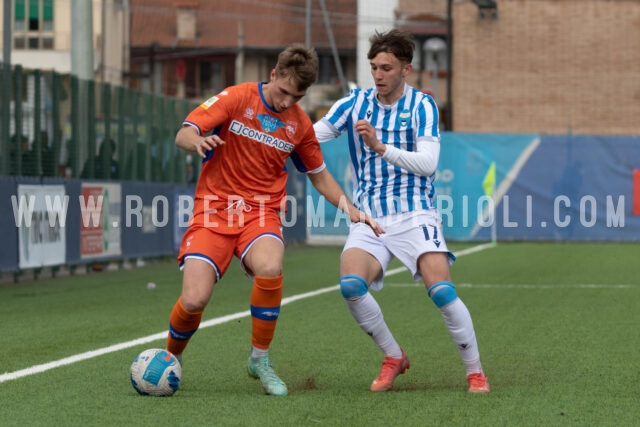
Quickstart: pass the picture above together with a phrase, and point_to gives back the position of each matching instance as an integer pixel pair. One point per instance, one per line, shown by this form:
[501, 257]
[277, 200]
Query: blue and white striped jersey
[380, 188]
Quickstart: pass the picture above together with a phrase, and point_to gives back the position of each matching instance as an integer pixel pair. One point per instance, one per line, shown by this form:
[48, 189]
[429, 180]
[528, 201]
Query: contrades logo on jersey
[270, 124]
[404, 117]
[291, 128]
[239, 128]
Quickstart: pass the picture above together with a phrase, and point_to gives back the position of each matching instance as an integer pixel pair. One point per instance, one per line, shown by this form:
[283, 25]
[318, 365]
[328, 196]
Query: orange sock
[265, 308]
[182, 325]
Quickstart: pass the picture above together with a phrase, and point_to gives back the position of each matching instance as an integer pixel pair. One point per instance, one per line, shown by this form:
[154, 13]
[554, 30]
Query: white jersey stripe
[380, 188]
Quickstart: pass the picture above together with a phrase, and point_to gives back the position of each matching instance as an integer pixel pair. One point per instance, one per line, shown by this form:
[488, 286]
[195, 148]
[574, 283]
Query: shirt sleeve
[325, 131]
[424, 161]
[213, 112]
[307, 156]
[339, 114]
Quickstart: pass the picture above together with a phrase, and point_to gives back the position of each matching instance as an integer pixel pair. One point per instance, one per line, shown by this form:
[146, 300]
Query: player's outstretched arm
[326, 185]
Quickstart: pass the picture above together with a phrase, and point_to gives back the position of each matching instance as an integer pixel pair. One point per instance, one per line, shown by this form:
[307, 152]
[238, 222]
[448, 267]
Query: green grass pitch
[557, 325]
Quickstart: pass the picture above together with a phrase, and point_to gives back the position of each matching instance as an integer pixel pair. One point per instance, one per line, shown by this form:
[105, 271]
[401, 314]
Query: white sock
[258, 352]
[366, 311]
[458, 321]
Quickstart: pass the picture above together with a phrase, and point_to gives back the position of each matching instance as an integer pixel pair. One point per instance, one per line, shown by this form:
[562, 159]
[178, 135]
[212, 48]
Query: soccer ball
[156, 372]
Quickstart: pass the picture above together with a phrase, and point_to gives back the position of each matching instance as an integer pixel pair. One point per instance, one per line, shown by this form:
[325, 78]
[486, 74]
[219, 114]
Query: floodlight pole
[6, 87]
[307, 43]
[334, 49]
[6, 33]
[449, 115]
[433, 47]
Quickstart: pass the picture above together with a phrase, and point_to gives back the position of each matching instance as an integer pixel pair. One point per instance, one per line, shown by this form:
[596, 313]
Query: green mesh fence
[60, 126]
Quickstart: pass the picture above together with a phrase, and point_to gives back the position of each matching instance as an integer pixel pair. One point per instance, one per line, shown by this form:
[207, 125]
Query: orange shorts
[217, 235]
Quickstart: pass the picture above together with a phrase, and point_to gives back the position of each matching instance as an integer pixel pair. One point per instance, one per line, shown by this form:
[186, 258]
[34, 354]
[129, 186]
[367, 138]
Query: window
[211, 79]
[19, 22]
[186, 23]
[47, 15]
[34, 16]
[33, 24]
[327, 72]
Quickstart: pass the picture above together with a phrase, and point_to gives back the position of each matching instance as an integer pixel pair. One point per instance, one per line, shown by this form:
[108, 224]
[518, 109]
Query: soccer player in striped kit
[394, 145]
[238, 199]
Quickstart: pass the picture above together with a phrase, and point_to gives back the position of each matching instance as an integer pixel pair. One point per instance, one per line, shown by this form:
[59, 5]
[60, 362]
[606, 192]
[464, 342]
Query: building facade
[550, 66]
[194, 48]
[547, 66]
[41, 33]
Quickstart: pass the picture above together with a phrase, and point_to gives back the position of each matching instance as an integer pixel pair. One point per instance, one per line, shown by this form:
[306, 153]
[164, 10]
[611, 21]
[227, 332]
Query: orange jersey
[258, 140]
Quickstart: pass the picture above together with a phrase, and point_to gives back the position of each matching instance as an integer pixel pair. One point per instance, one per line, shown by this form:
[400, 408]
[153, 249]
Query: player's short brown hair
[298, 63]
[397, 42]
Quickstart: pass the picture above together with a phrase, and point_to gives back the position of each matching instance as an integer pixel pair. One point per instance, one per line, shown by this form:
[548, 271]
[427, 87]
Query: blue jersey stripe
[434, 112]
[385, 132]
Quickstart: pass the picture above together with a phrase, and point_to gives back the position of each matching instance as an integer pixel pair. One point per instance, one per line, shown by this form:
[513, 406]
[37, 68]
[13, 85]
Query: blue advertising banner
[9, 231]
[324, 221]
[294, 221]
[516, 187]
[465, 160]
[183, 208]
[148, 219]
[573, 187]
[73, 188]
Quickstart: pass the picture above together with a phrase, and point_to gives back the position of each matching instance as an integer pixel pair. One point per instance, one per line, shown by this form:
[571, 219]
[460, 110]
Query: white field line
[521, 286]
[36, 369]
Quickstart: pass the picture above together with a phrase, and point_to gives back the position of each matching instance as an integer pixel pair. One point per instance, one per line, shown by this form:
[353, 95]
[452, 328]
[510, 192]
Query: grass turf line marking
[36, 369]
[520, 286]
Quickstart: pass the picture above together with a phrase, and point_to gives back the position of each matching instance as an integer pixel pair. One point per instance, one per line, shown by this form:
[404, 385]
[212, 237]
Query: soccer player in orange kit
[240, 194]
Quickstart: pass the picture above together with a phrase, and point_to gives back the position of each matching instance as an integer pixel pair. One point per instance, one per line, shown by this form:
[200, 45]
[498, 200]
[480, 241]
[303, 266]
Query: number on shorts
[426, 232]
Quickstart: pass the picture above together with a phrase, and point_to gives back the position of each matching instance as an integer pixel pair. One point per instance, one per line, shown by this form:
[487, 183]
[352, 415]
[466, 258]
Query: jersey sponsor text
[240, 129]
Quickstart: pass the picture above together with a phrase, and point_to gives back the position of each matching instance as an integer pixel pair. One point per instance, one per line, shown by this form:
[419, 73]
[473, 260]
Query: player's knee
[194, 303]
[442, 293]
[352, 286]
[271, 269]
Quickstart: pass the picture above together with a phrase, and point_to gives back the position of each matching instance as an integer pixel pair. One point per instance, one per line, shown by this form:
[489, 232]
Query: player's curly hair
[298, 63]
[397, 42]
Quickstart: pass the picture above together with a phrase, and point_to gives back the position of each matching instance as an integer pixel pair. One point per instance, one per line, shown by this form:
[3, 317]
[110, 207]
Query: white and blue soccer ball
[156, 372]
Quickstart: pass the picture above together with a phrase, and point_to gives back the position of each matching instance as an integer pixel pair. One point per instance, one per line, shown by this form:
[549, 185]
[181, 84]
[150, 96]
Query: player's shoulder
[223, 95]
[240, 90]
[421, 100]
[356, 96]
[359, 93]
[245, 87]
[295, 112]
[234, 97]
[422, 96]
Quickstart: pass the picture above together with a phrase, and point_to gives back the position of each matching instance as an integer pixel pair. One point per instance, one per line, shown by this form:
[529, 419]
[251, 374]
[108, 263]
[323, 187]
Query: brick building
[543, 66]
[548, 66]
[194, 48]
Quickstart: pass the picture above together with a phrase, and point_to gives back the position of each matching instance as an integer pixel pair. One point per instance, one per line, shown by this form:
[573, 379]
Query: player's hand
[358, 216]
[208, 143]
[368, 135]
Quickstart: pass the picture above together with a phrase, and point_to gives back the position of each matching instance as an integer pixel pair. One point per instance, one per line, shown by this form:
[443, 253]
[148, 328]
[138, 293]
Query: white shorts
[408, 235]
